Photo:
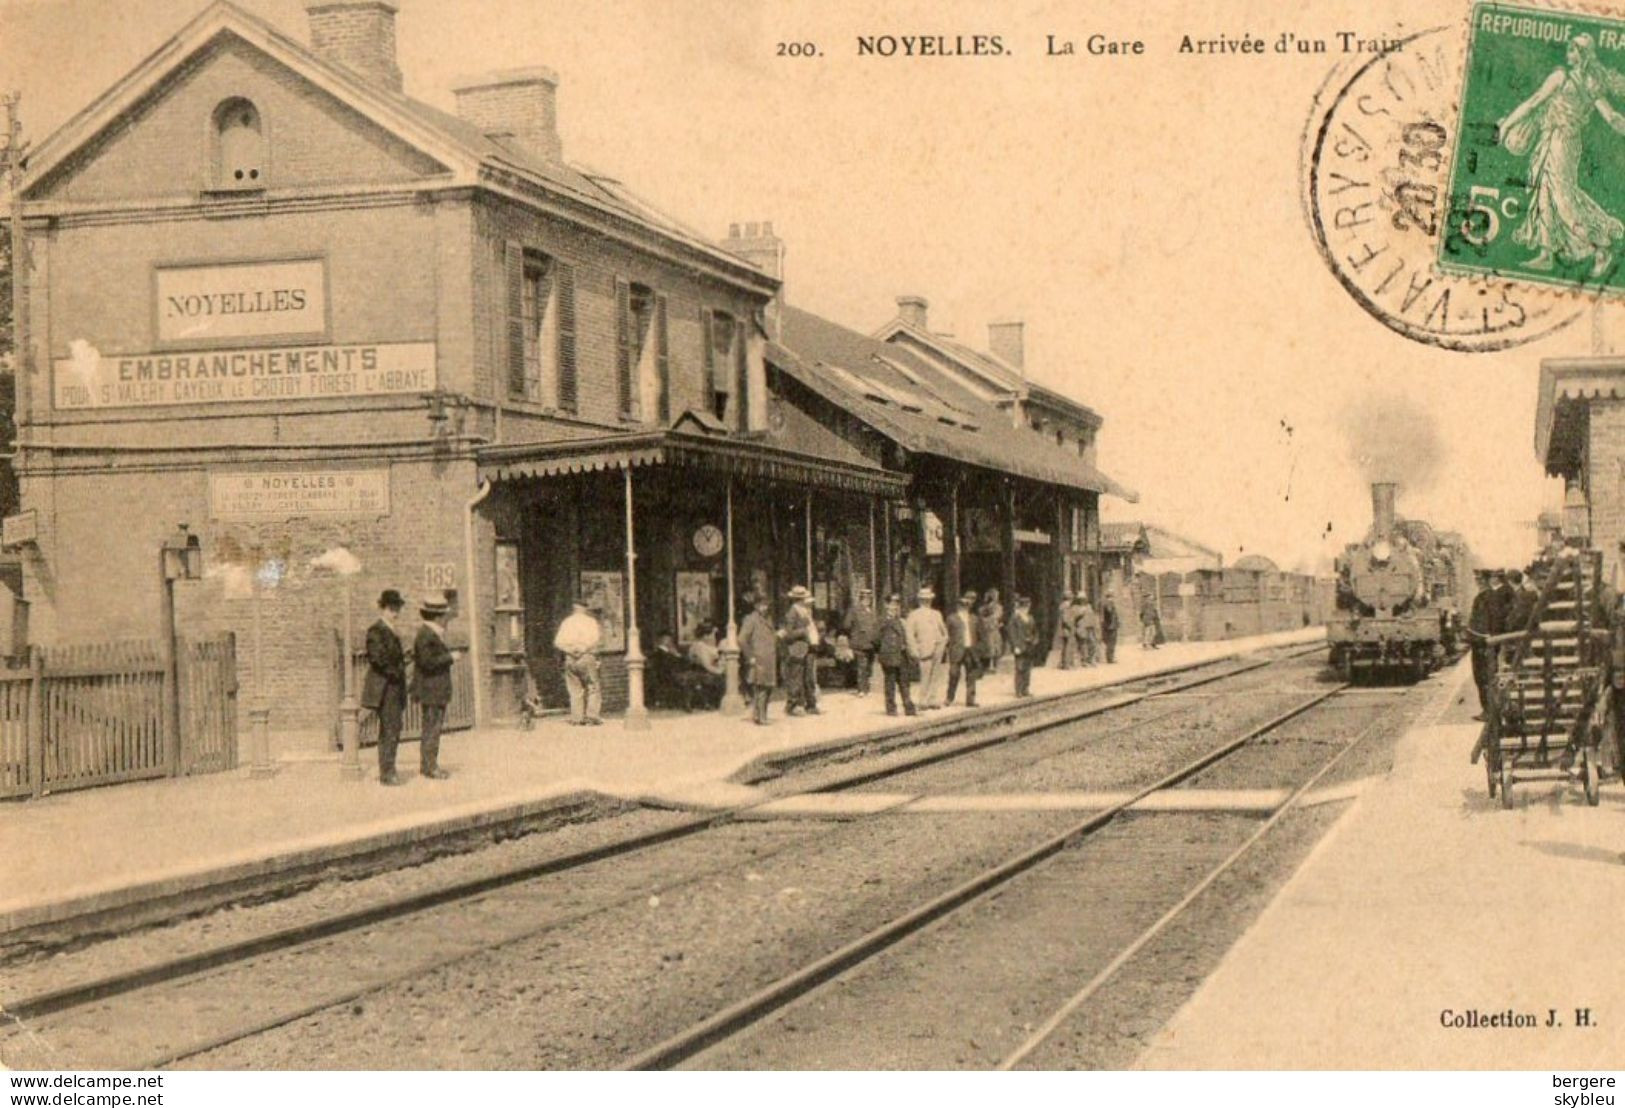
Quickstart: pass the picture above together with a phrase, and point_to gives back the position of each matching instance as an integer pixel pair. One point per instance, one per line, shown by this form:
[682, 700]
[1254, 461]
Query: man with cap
[799, 635]
[1023, 643]
[927, 645]
[383, 690]
[862, 629]
[964, 650]
[431, 680]
[577, 639]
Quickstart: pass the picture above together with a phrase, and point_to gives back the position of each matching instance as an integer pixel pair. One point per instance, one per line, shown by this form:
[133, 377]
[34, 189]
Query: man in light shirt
[927, 641]
[578, 638]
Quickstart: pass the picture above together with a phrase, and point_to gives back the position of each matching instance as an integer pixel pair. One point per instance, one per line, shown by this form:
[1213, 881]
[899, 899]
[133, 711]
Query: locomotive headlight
[1381, 551]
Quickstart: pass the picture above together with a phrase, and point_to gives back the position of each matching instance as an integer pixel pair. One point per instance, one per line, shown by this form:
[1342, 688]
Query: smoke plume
[1391, 438]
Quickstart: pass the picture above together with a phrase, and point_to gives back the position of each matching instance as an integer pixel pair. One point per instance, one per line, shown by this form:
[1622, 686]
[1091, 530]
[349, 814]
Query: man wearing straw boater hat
[800, 635]
[383, 690]
[431, 680]
[927, 643]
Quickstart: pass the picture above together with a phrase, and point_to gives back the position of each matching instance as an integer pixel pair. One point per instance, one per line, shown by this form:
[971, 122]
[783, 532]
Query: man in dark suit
[384, 688]
[1109, 623]
[1023, 643]
[431, 681]
[892, 649]
[964, 657]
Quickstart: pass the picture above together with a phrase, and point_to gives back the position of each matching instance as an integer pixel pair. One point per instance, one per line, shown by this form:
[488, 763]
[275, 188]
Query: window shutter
[708, 381]
[741, 376]
[663, 359]
[623, 347]
[514, 268]
[564, 280]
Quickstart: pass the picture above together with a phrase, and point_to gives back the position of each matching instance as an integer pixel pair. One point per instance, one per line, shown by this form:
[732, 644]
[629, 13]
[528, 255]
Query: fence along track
[80, 716]
[190, 964]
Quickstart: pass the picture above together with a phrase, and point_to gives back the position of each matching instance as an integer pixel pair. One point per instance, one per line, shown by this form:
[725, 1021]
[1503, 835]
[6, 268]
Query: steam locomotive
[1401, 596]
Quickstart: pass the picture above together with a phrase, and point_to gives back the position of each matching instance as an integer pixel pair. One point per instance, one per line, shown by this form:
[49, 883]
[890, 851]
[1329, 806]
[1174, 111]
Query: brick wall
[1605, 448]
[358, 35]
[95, 576]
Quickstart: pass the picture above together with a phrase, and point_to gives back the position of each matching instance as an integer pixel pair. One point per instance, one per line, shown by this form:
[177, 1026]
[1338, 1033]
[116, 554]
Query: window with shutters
[648, 358]
[539, 311]
[541, 329]
[723, 354]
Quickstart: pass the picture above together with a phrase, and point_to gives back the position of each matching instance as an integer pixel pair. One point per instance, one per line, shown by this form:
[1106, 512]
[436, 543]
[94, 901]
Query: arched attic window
[239, 146]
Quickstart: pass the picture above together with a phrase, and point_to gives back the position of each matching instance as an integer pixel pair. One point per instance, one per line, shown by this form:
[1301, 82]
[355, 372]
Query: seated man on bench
[706, 678]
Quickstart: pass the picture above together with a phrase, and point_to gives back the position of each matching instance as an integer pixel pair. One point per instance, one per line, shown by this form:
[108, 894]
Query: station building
[276, 299]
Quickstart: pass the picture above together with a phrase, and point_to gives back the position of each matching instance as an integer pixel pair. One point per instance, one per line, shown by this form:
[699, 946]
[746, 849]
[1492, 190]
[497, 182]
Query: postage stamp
[1537, 184]
[1376, 159]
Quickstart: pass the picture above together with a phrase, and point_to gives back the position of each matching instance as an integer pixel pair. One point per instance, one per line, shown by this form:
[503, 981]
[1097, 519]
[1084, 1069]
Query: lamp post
[180, 558]
[733, 701]
[346, 565]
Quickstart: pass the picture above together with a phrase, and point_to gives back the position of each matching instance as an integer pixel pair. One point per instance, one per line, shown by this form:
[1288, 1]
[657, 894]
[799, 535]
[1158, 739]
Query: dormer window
[239, 142]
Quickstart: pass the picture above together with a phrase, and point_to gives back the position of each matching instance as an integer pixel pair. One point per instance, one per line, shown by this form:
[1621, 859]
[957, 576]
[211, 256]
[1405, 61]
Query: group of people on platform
[938, 654]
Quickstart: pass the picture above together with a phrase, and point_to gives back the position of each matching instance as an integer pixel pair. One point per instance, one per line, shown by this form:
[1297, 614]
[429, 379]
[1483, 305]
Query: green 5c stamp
[1537, 187]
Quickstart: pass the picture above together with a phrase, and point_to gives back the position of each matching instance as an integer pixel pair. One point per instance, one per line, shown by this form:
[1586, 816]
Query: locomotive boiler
[1401, 593]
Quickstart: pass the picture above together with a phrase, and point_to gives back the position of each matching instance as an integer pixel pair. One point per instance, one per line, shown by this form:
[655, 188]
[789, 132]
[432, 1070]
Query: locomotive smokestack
[1382, 509]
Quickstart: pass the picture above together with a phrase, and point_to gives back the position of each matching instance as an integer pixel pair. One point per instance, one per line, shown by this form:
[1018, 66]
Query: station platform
[1426, 920]
[74, 853]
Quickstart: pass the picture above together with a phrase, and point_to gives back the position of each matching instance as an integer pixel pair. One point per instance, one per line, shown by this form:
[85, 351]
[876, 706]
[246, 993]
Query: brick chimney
[912, 309]
[520, 105]
[758, 245]
[357, 34]
[1005, 341]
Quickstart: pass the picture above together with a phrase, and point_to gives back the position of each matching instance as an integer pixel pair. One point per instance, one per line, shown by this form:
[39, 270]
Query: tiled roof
[920, 407]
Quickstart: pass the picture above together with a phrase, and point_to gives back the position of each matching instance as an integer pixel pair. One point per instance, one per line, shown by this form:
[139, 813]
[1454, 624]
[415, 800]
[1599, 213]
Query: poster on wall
[933, 534]
[693, 603]
[607, 589]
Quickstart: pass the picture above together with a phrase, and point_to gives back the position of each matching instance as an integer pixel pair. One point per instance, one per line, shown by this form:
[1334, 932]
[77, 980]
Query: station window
[539, 311]
[541, 328]
[239, 140]
[644, 365]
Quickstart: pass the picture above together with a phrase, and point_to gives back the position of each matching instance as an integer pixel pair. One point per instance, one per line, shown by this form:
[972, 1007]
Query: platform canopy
[673, 447]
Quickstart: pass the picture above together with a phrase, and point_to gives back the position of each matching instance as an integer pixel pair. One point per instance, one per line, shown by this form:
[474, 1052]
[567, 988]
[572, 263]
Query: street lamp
[346, 565]
[180, 558]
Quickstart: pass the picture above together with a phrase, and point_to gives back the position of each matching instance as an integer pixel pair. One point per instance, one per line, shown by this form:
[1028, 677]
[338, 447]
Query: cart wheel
[1506, 784]
[1593, 786]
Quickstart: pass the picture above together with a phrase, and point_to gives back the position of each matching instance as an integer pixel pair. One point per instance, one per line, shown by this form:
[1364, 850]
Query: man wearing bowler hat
[384, 688]
[431, 680]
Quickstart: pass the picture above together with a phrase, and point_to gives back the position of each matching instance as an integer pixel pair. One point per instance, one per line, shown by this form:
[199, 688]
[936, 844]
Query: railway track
[81, 995]
[745, 1014]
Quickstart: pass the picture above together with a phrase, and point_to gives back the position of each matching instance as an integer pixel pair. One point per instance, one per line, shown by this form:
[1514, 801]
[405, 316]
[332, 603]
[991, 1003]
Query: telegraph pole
[13, 153]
